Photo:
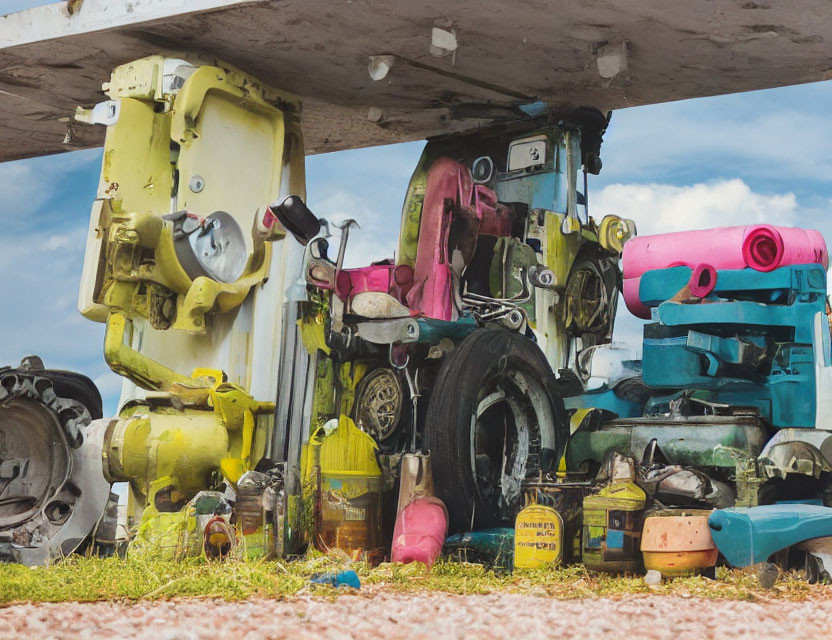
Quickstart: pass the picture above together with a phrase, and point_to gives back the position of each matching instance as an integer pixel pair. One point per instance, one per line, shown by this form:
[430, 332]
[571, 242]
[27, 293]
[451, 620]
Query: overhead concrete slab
[439, 65]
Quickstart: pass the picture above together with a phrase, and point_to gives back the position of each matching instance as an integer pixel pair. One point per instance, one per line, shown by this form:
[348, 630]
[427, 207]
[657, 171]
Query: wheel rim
[506, 438]
[379, 405]
[30, 434]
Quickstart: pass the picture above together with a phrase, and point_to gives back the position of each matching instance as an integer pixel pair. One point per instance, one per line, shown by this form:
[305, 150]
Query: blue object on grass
[348, 578]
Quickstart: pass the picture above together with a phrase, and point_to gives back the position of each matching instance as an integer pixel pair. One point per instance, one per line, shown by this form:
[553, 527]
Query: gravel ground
[425, 616]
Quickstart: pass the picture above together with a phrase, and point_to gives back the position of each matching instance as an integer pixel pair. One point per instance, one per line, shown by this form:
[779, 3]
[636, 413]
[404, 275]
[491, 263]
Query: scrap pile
[462, 397]
[718, 439]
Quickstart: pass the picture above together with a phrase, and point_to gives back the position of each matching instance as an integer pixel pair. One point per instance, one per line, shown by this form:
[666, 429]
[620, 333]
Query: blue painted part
[347, 578]
[801, 281]
[482, 540]
[431, 331]
[543, 190]
[615, 539]
[738, 347]
[543, 187]
[605, 399]
[799, 317]
[659, 285]
[489, 545]
[749, 535]
[593, 543]
[534, 109]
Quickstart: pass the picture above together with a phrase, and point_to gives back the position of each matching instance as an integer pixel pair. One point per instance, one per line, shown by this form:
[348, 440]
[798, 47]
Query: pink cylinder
[762, 247]
[630, 291]
[702, 280]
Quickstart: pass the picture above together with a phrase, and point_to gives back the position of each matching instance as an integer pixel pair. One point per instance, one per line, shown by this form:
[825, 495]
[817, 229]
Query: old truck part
[52, 491]
[500, 277]
[187, 267]
[733, 382]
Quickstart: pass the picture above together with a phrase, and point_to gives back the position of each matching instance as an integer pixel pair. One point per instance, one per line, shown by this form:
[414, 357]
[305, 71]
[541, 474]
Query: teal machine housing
[749, 343]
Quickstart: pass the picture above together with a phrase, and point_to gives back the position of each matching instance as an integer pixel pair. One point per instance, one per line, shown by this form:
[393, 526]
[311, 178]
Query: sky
[763, 156]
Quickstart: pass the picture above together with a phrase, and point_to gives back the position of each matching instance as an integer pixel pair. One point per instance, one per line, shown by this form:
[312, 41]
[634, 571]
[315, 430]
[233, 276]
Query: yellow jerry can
[612, 528]
[538, 537]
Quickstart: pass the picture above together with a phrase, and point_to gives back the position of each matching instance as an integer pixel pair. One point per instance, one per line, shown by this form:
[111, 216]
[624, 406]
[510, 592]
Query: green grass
[90, 579]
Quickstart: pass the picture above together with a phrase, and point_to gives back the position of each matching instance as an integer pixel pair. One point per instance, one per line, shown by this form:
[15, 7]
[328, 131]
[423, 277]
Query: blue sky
[752, 157]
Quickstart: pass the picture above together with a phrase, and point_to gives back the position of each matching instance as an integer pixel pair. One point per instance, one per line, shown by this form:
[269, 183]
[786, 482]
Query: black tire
[493, 378]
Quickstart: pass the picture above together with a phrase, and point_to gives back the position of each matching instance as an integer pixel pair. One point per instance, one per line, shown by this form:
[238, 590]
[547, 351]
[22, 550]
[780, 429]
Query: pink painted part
[630, 292]
[495, 218]
[431, 294]
[762, 247]
[702, 280]
[377, 277]
[420, 531]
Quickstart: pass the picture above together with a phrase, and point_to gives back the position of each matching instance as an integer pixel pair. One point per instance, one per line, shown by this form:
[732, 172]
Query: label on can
[538, 537]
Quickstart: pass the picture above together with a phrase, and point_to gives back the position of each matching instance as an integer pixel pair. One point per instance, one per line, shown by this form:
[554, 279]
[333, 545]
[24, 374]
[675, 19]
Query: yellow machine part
[560, 249]
[349, 375]
[188, 438]
[613, 233]
[173, 146]
[412, 212]
[166, 536]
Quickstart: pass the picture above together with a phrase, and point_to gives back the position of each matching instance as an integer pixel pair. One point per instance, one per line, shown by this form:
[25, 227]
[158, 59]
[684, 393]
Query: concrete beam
[450, 64]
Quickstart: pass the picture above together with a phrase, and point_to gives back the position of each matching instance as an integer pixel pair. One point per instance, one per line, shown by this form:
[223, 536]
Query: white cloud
[662, 208]
[55, 242]
[34, 191]
[377, 236]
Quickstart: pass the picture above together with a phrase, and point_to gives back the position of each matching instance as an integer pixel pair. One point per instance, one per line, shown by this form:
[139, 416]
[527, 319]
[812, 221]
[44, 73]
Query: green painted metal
[703, 441]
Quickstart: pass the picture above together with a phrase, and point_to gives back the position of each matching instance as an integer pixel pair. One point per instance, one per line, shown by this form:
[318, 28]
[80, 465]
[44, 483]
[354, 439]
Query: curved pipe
[135, 366]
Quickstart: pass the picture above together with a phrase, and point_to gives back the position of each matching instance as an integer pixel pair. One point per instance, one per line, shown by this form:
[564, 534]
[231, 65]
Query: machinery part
[134, 365]
[379, 399]
[389, 331]
[296, 218]
[591, 297]
[541, 277]
[195, 143]
[746, 536]
[170, 447]
[806, 452]
[613, 233]
[818, 560]
[513, 319]
[697, 441]
[494, 417]
[213, 246]
[52, 489]
[482, 170]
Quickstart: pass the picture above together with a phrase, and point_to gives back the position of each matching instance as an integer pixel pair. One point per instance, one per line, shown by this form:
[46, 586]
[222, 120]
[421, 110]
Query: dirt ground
[374, 613]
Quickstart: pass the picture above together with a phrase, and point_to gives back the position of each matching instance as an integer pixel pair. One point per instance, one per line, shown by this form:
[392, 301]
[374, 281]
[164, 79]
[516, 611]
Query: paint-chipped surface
[603, 54]
[373, 614]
